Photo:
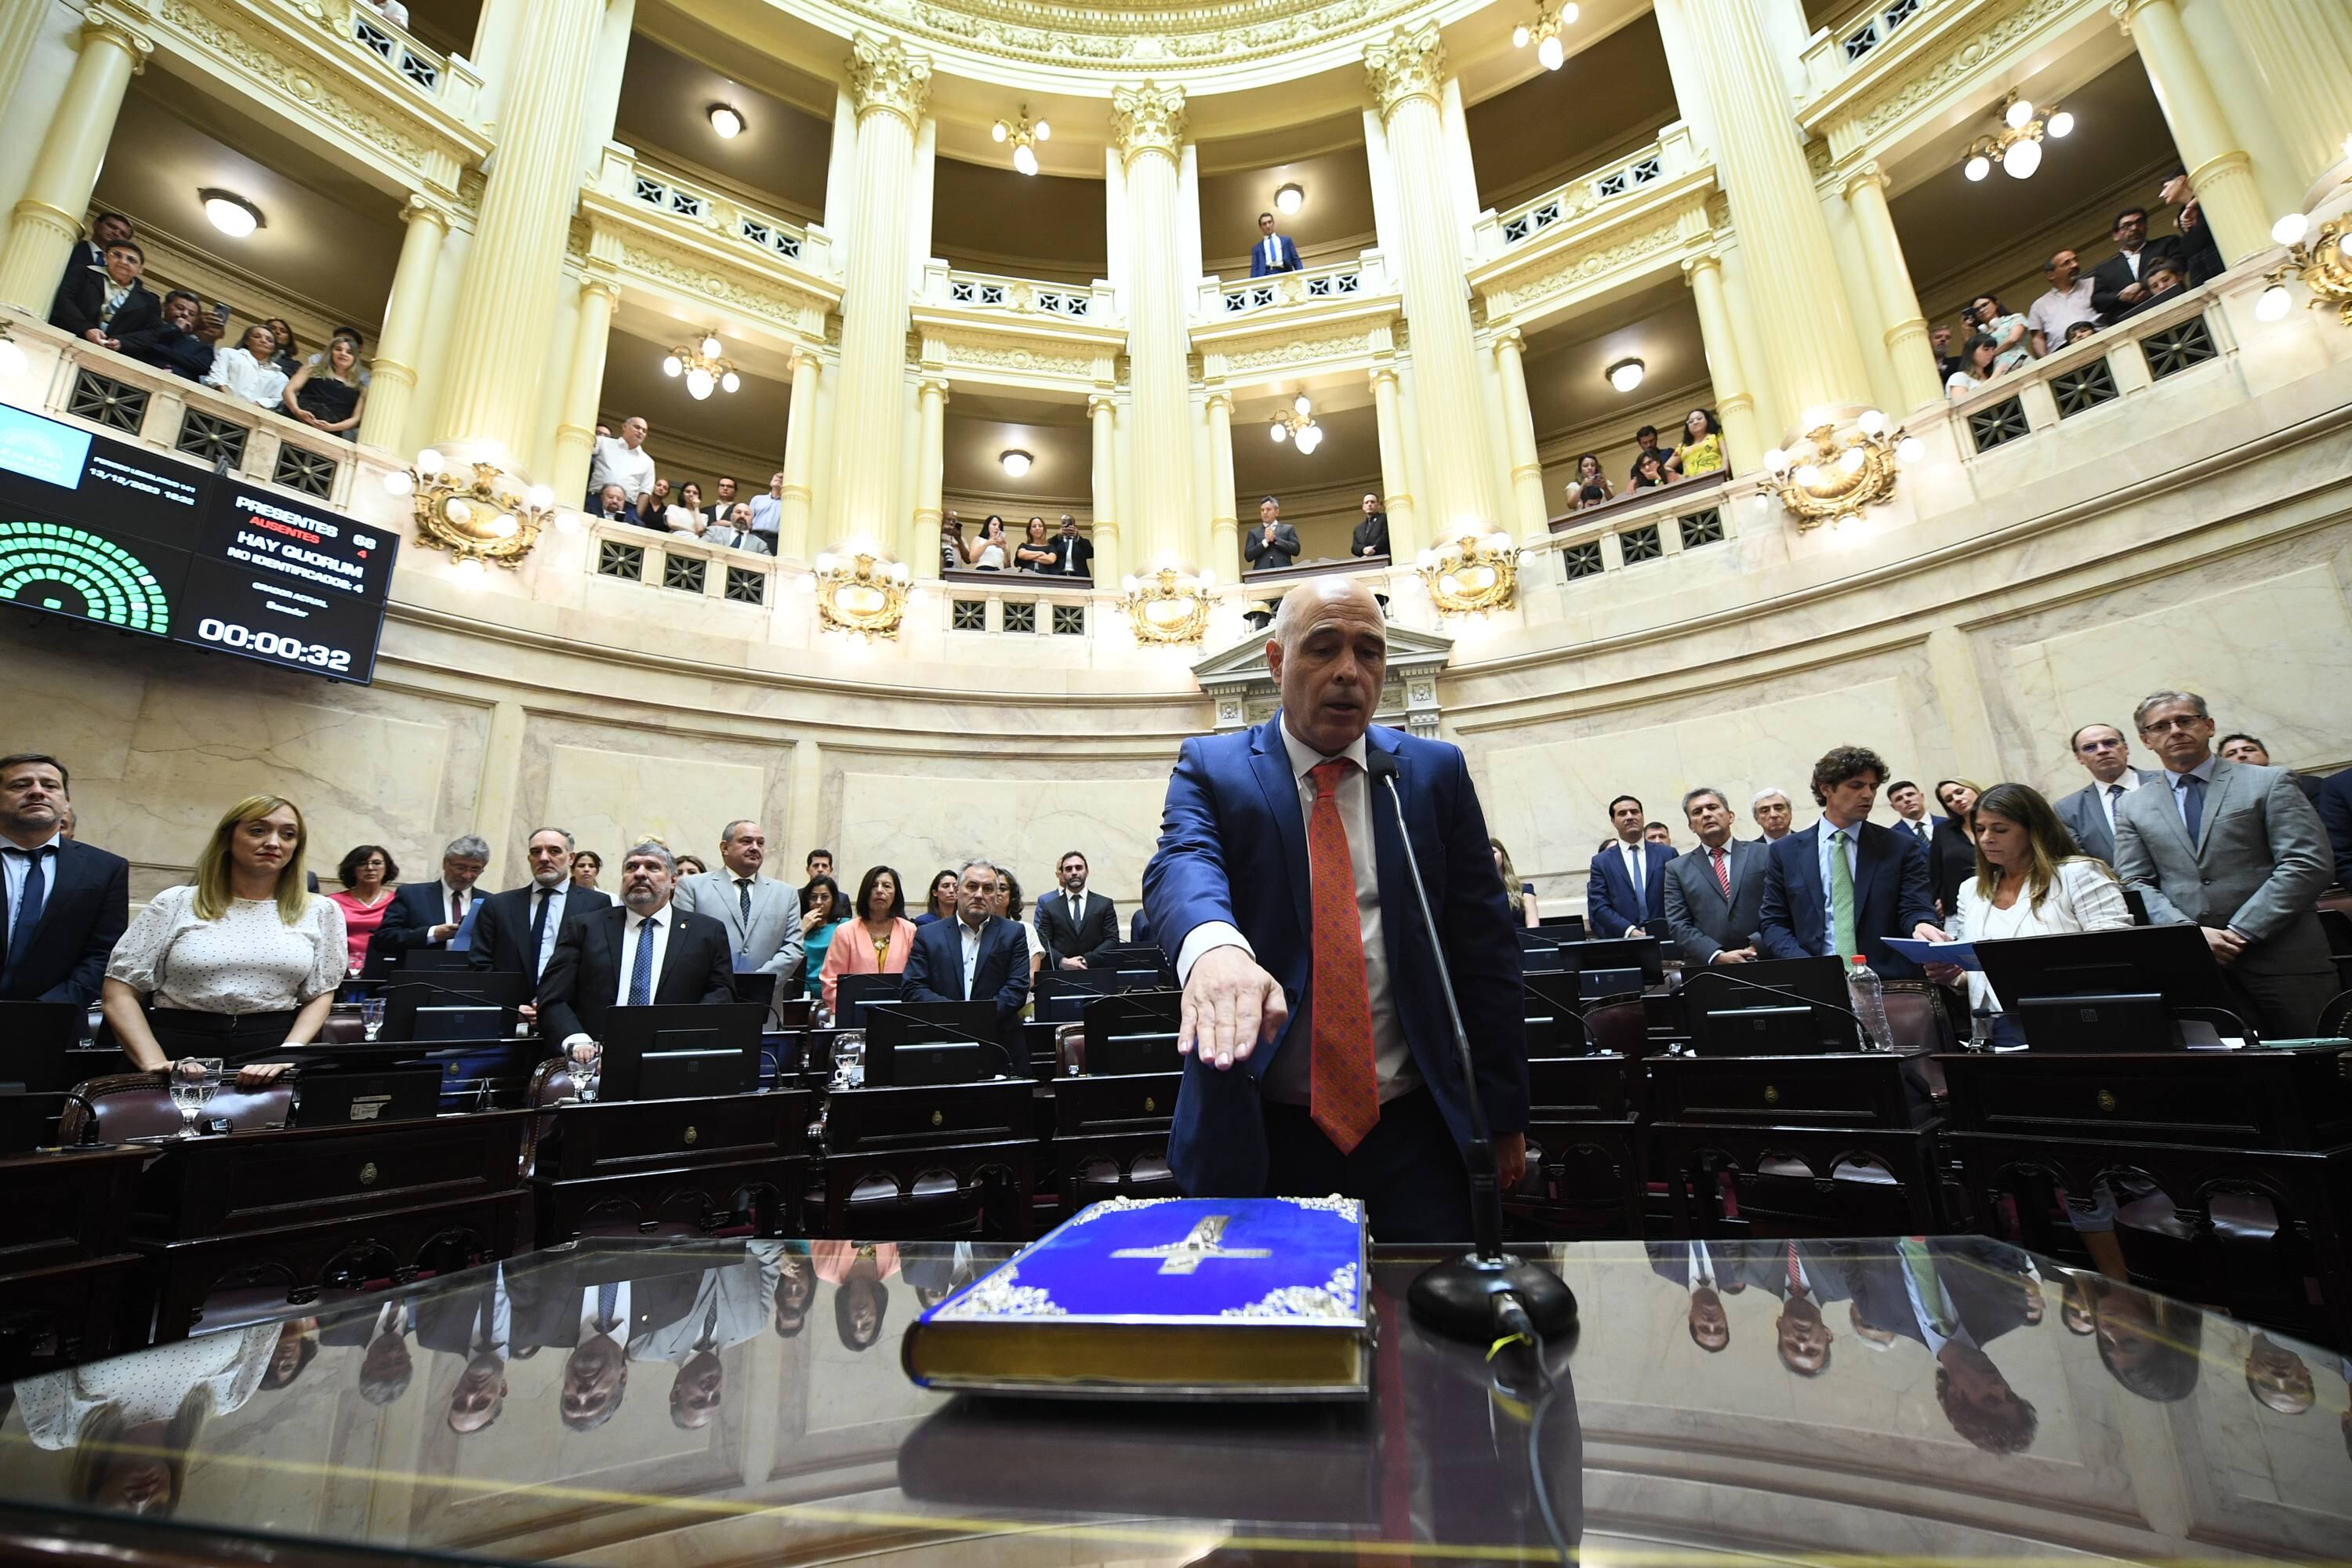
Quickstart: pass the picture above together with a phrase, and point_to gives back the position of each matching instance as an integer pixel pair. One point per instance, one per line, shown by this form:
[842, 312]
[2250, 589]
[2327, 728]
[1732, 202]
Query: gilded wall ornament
[859, 591]
[1471, 574]
[884, 74]
[1409, 63]
[1147, 119]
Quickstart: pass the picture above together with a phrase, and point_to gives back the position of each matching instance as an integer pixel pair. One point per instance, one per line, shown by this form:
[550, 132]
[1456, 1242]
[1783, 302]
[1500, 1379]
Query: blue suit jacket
[1609, 903]
[1289, 252]
[935, 967]
[408, 920]
[1233, 848]
[1891, 895]
[84, 911]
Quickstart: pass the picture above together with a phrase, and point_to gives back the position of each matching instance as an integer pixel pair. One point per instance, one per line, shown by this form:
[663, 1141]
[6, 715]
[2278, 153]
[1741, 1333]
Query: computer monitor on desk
[691, 1052]
[1062, 996]
[853, 992]
[1554, 1012]
[39, 1035]
[1616, 955]
[1778, 1007]
[1561, 928]
[2127, 990]
[934, 1041]
[473, 1006]
[1133, 1032]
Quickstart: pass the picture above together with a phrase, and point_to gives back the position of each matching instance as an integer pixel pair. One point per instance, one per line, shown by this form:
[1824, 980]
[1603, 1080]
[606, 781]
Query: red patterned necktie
[1343, 1089]
[1796, 1274]
[1722, 871]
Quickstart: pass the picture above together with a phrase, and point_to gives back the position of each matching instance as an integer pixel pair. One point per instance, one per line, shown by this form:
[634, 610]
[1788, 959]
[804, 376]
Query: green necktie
[1840, 896]
[1921, 1266]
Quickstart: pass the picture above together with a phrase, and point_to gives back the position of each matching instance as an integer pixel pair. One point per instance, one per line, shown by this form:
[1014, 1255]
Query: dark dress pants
[1408, 1170]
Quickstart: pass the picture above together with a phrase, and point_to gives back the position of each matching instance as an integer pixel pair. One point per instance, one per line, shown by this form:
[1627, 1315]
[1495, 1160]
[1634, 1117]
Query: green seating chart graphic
[50, 566]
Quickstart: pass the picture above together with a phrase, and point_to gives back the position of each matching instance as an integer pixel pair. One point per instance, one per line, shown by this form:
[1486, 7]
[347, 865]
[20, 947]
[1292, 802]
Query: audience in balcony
[767, 514]
[1592, 488]
[2200, 253]
[108, 304]
[623, 461]
[2079, 331]
[1371, 535]
[288, 357]
[391, 11]
[614, 506]
[1701, 452]
[330, 393]
[1939, 339]
[685, 516]
[1646, 444]
[2068, 302]
[1035, 553]
[1649, 473]
[1274, 252]
[734, 530]
[1074, 553]
[987, 552]
[177, 345]
[723, 507]
[1980, 366]
[955, 550]
[1272, 543]
[2121, 280]
[2165, 279]
[250, 371]
[106, 228]
[2006, 330]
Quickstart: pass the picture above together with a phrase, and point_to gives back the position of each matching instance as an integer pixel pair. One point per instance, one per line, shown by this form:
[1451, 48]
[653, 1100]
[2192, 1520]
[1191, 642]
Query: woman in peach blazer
[877, 939]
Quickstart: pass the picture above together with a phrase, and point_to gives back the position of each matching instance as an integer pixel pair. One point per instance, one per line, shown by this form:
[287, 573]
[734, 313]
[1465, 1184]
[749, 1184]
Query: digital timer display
[118, 536]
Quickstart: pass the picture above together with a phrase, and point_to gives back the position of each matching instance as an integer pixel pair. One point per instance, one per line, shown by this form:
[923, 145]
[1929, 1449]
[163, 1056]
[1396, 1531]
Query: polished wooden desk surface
[762, 1417]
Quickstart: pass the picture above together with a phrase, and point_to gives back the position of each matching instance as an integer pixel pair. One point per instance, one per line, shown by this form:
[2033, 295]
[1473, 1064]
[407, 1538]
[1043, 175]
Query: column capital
[598, 279]
[1103, 404]
[420, 206]
[2122, 11]
[804, 361]
[1866, 174]
[932, 386]
[1692, 264]
[1511, 338]
[1383, 375]
[885, 76]
[1148, 119]
[1409, 63]
[97, 25]
[1218, 397]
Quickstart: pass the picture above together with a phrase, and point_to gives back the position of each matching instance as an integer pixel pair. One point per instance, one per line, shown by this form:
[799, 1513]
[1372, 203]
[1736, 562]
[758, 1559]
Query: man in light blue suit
[1280, 889]
[1274, 252]
[1815, 907]
[1628, 884]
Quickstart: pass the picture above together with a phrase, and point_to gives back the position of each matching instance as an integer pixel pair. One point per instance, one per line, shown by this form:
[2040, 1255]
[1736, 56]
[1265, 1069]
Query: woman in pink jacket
[877, 939]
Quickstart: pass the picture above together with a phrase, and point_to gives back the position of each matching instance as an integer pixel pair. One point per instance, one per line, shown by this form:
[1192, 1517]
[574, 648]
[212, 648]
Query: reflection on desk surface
[1951, 1400]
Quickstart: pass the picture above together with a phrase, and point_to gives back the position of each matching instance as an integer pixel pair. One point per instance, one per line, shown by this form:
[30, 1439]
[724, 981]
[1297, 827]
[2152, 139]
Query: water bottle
[1869, 1003]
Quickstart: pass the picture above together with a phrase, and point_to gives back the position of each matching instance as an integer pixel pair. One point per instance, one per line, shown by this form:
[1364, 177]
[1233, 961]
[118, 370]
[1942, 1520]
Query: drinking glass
[849, 1060]
[371, 1016]
[194, 1081]
[587, 1066]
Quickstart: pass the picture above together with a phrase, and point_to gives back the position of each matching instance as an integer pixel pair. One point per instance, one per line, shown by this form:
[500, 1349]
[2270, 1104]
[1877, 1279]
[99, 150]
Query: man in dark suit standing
[2089, 812]
[1911, 814]
[66, 903]
[1074, 553]
[174, 345]
[108, 228]
[1843, 885]
[1274, 252]
[1279, 888]
[1077, 924]
[2119, 282]
[2244, 748]
[976, 957]
[1371, 535]
[1628, 881]
[1272, 543]
[516, 932]
[430, 914]
[644, 954]
[108, 306]
[1714, 894]
[2236, 852]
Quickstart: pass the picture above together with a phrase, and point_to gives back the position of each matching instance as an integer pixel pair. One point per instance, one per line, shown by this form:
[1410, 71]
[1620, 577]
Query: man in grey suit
[1714, 894]
[763, 916]
[2237, 851]
[1272, 543]
[2089, 812]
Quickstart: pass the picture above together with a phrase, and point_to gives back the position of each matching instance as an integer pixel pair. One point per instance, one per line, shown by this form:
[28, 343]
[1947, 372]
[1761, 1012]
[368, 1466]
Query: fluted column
[1808, 350]
[2218, 169]
[1102, 412]
[1734, 406]
[1519, 431]
[48, 219]
[1396, 481]
[392, 383]
[2304, 51]
[800, 443]
[1407, 70]
[931, 470]
[507, 302]
[1224, 526]
[584, 389]
[889, 86]
[1148, 127]
[1900, 322]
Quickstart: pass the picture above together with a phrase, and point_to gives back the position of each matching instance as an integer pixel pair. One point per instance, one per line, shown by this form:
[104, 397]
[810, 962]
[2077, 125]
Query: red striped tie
[1722, 870]
[1343, 1088]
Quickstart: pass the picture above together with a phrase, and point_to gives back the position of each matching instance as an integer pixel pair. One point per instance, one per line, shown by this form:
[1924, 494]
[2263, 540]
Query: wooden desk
[318, 1207]
[640, 1165]
[69, 1279]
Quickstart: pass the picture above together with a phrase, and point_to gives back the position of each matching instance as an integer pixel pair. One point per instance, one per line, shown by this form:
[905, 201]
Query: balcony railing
[627, 179]
[1669, 157]
[1837, 51]
[410, 59]
[1858, 37]
[2117, 364]
[680, 563]
[956, 287]
[1359, 277]
[1659, 524]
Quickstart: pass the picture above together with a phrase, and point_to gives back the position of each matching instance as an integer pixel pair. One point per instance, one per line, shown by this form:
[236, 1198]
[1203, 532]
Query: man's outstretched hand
[1231, 1006]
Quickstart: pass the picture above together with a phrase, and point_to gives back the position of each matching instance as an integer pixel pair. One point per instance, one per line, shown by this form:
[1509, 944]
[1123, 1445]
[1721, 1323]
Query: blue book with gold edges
[1165, 1298]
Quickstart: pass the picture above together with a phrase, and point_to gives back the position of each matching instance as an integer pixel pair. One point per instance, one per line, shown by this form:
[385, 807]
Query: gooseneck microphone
[1482, 1296]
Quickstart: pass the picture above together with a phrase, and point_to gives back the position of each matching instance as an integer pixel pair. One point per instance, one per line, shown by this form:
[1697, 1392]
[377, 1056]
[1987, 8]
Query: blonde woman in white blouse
[247, 371]
[242, 962]
[2029, 882]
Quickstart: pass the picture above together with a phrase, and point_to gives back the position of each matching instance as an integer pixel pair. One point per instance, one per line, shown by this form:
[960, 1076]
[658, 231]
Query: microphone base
[1456, 1298]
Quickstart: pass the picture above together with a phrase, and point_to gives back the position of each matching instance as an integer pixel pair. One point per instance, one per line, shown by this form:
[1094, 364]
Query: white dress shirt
[2127, 783]
[1289, 1079]
[15, 862]
[1702, 1267]
[1920, 828]
[661, 920]
[971, 935]
[614, 462]
[589, 1330]
[465, 897]
[1271, 247]
[2082, 896]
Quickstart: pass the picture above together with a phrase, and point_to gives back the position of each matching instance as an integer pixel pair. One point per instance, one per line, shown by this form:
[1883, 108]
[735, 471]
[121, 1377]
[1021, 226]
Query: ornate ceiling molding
[1406, 65]
[885, 74]
[1147, 119]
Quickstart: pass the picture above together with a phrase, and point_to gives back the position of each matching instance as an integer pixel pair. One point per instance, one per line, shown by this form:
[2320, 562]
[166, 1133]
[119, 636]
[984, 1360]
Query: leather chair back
[1915, 1019]
[1619, 1024]
[139, 1105]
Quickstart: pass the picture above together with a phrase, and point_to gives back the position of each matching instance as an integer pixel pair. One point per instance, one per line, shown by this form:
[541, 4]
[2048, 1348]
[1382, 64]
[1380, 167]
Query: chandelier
[1167, 608]
[1025, 134]
[488, 516]
[702, 367]
[1828, 479]
[2017, 145]
[2322, 259]
[1550, 24]
[1297, 426]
